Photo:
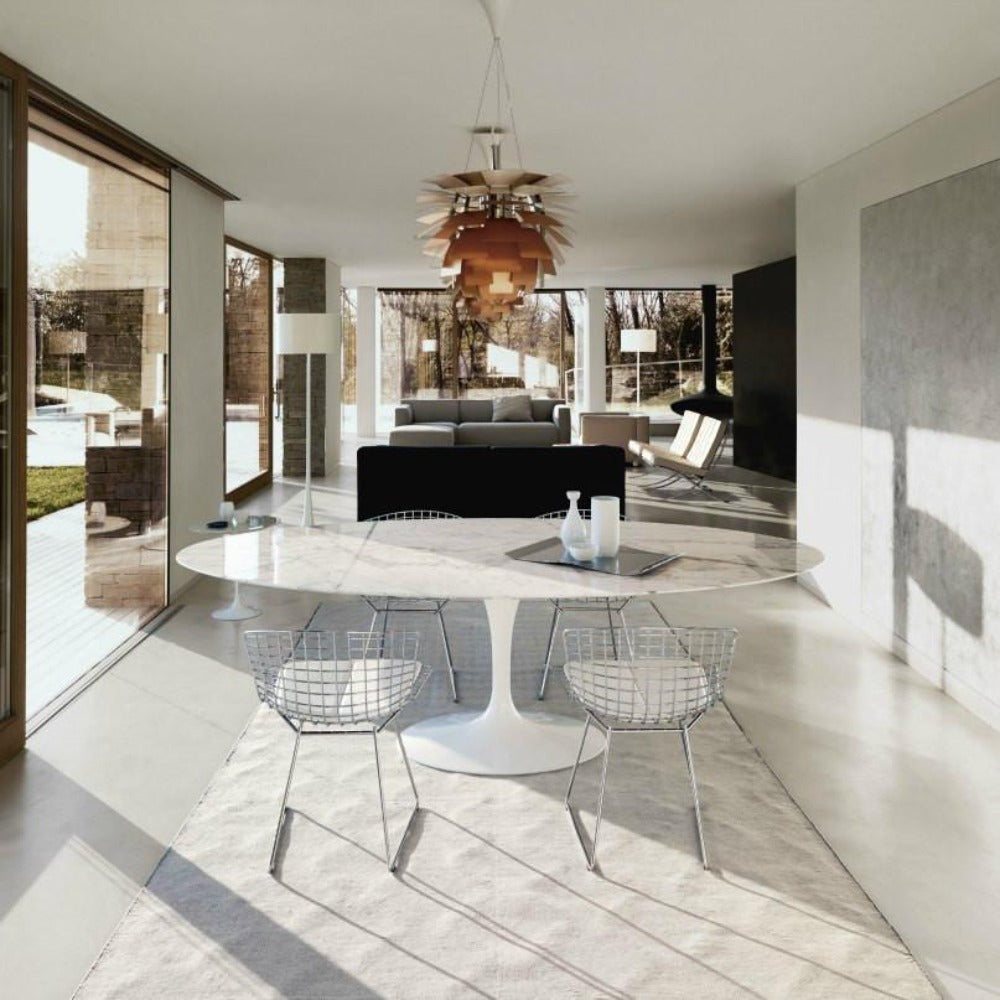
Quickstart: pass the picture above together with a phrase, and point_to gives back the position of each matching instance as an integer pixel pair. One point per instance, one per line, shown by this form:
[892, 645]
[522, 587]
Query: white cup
[605, 527]
[227, 510]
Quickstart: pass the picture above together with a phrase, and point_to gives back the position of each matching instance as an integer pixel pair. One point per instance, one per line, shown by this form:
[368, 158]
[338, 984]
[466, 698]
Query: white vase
[573, 529]
[605, 525]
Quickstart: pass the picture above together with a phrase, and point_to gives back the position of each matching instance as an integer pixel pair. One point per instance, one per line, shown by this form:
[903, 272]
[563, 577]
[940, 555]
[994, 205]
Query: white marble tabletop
[467, 559]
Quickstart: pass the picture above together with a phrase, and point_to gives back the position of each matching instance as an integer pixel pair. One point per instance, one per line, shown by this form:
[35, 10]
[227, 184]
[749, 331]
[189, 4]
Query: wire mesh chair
[384, 605]
[609, 605]
[352, 684]
[664, 681]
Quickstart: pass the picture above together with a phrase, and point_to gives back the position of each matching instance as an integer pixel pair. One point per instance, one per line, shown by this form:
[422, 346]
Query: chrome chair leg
[666, 481]
[660, 614]
[686, 740]
[709, 492]
[447, 652]
[556, 615]
[392, 856]
[591, 857]
[284, 803]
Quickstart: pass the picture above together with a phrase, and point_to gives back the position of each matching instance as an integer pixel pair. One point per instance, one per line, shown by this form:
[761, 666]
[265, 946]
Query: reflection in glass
[97, 345]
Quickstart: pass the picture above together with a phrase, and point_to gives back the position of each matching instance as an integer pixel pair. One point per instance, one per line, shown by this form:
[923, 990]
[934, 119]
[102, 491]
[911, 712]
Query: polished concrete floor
[900, 780]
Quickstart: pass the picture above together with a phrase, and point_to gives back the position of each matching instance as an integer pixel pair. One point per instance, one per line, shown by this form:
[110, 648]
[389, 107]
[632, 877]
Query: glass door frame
[265, 478]
[13, 590]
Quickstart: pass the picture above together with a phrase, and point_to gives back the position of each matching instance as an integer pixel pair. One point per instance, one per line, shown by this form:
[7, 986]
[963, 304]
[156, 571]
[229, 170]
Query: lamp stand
[638, 387]
[307, 506]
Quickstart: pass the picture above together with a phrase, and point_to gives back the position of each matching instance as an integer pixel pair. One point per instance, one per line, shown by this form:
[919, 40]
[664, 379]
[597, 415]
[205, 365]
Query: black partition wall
[764, 405]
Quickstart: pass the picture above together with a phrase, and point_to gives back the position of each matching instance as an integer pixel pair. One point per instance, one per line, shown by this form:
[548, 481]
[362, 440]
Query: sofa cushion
[423, 435]
[507, 432]
[541, 409]
[506, 408]
[475, 411]
[427, 411]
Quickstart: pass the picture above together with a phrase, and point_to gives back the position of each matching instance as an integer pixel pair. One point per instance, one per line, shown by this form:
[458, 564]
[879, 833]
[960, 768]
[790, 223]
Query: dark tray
[628, 562]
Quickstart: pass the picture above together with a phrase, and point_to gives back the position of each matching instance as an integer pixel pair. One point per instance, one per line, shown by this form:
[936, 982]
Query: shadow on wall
[947, 568]
[930, 472]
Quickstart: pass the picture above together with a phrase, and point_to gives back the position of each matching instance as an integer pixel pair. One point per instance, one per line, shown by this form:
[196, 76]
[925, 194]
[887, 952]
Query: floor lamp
[308, 334]
[642, 342]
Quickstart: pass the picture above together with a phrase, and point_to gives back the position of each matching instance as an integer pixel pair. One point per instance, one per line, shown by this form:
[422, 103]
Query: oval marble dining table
[467, 560]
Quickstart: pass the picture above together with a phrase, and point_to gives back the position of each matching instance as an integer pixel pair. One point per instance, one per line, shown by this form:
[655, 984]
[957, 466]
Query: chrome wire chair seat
[664, 681]
[609, 605]
[323, 684]
[386, 605]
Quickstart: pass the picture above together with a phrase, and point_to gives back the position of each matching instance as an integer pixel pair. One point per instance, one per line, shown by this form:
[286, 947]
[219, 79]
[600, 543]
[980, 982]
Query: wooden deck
[65, 638]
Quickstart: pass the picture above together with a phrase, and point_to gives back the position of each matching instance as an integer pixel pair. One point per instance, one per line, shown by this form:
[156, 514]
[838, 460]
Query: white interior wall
[959, 136]
[197, 280]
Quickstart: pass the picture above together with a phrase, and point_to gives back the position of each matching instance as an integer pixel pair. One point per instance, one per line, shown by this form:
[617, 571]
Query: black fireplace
[709, 401]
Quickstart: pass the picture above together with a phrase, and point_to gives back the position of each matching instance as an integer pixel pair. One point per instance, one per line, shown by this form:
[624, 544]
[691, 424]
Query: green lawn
[52, 487]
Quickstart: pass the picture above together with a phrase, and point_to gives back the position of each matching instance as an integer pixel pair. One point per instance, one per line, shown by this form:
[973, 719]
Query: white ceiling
[683, 124]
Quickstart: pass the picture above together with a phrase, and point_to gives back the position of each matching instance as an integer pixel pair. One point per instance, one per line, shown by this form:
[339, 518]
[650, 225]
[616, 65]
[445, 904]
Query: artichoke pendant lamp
[497, 232]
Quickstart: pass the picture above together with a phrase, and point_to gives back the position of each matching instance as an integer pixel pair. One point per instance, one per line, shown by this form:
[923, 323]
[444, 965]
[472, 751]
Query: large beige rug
[492, 898]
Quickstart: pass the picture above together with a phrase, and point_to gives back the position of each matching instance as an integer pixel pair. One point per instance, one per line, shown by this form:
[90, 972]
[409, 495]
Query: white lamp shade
[305, 333]
[638, 341]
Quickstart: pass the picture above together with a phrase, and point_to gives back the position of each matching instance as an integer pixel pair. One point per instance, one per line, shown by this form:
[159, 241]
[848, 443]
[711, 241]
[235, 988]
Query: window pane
[248, 358]
[97, 342]
[349, 361]
[675, 369]
[429, 348]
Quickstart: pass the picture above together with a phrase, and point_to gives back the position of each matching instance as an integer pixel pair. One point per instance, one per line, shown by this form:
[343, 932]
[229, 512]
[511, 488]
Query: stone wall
[130, 482]
[305, 292]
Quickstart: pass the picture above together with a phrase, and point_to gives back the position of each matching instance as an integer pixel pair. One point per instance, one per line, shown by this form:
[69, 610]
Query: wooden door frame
[13, 727]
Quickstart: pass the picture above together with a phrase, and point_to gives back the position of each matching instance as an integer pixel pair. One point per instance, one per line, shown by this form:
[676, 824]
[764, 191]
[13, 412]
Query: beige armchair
[616, 429]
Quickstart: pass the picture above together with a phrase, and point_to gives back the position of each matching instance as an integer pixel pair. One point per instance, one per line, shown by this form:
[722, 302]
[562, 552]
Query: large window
[349, 361]
[431, 348]
[97, 338]
[675, 368]
[248, 369]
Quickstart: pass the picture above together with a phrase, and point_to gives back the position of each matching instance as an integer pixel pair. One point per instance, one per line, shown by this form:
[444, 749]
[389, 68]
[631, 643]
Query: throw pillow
[512, 408]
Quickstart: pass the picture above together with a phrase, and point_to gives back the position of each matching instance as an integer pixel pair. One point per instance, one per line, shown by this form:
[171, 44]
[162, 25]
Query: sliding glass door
[97, 379]
[248, 317]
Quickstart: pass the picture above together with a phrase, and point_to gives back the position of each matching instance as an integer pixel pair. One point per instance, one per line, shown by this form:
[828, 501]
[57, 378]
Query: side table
[236, 610]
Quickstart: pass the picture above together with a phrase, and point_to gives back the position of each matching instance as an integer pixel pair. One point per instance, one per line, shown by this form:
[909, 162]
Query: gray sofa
[437, 422]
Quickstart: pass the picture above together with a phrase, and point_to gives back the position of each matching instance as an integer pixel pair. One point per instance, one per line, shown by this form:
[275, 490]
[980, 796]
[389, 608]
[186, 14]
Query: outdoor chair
[644, 680]
[323, 684]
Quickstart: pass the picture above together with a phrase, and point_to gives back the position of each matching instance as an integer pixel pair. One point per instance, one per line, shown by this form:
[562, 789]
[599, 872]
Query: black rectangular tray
[628, 562]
